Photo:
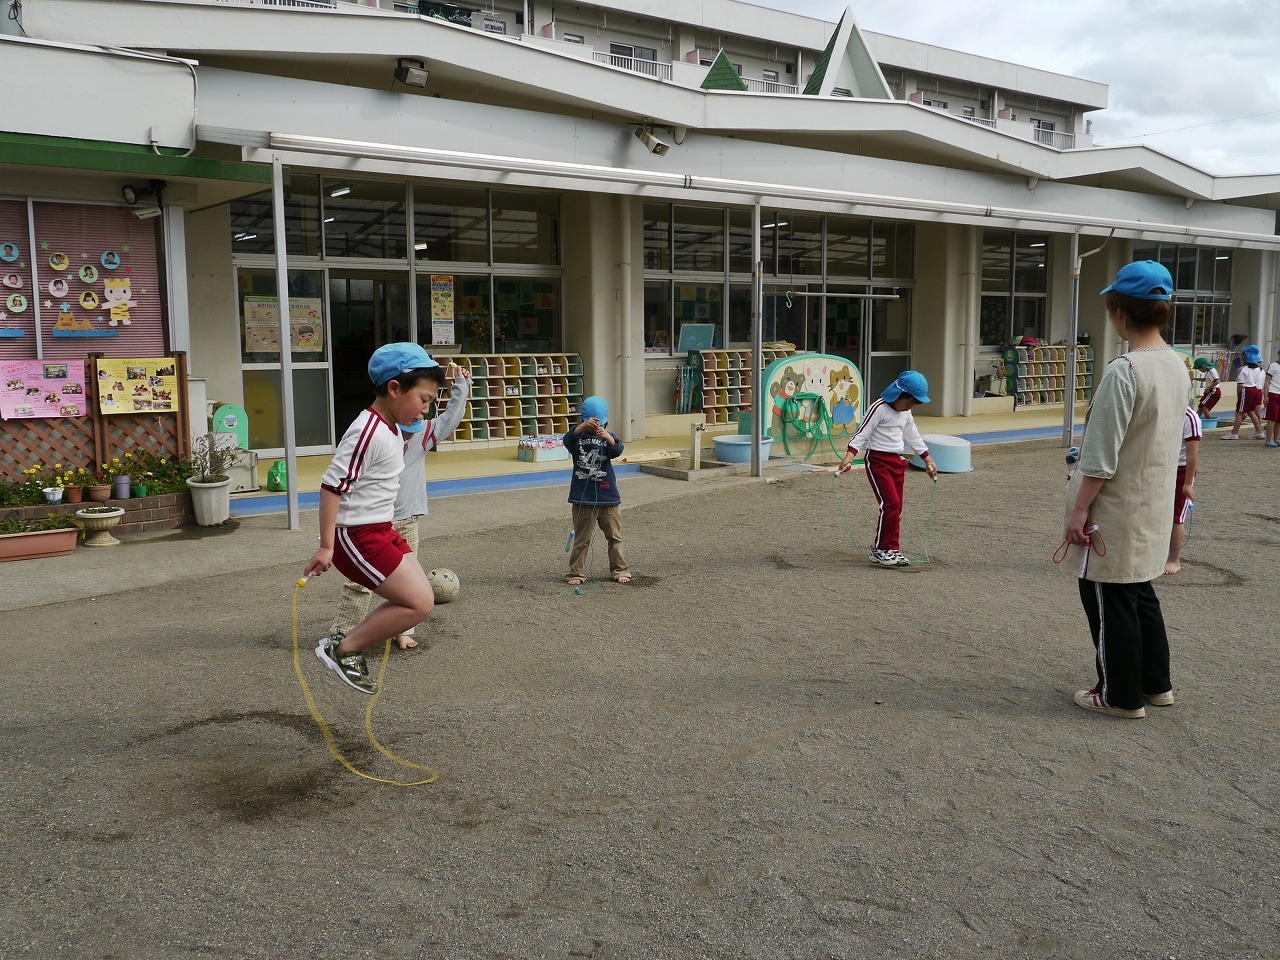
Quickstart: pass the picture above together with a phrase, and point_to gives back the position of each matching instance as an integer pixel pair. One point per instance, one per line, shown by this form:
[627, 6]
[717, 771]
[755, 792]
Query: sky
[1199, 81]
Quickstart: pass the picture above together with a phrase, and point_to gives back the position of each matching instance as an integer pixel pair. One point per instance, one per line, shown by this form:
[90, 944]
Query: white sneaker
[884, 558]
[1230, 436]
[900, 557]
[1092, 700]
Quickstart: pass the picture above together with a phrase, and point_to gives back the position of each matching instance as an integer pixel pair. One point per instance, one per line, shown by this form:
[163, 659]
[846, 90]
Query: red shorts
[1210, 400]
[369, 554]
[1273, 406]
[1181, 505]
[1249, 399]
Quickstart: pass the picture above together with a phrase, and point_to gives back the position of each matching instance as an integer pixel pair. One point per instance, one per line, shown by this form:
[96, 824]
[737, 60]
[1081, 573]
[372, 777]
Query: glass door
[874, 332]
[367, 308]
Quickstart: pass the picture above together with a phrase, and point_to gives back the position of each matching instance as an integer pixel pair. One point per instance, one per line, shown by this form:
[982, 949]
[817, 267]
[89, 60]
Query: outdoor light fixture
[341, 190]
[412, 73]
[651, 143]
[152, 191]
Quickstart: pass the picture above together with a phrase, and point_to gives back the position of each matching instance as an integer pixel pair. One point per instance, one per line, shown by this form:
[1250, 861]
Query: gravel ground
[763, 748]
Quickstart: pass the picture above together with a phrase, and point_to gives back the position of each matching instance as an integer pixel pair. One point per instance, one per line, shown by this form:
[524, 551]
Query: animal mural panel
[799, 390]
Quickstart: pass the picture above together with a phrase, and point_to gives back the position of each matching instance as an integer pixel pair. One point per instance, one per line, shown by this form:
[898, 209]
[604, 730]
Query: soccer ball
[445, 584]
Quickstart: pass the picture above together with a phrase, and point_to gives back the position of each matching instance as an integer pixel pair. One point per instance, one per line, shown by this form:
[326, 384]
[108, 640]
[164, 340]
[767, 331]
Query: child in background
[1188, 465]
[1249, 393]
[1271, 396]
[886, 428]
[420, 438]
[357, 503]
[1212, 392]
[593, 491]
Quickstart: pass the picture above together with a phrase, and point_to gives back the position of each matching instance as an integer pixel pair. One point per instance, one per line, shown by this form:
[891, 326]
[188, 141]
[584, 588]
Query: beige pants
[353, 604]
[610, 521]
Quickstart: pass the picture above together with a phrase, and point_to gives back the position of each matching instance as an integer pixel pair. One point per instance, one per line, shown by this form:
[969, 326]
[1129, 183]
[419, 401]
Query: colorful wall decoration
[31, 389]
[835, 379]
[137, 385]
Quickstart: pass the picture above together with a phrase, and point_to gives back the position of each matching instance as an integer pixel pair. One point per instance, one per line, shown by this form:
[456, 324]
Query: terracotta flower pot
[100, 492]
[72, 494]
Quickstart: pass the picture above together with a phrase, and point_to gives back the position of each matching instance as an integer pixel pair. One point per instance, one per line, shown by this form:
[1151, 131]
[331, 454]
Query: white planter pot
[211, 502]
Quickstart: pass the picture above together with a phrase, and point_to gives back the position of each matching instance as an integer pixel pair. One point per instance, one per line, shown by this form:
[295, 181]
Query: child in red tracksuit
[887, 427]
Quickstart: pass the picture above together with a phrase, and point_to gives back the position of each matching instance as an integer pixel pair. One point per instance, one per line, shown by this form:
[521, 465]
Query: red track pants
[886, 473]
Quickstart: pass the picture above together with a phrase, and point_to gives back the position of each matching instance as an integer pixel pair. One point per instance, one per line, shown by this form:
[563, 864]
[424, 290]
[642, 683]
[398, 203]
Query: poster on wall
[137, 385]
[262, 325]
[31, 389]
[442, 315]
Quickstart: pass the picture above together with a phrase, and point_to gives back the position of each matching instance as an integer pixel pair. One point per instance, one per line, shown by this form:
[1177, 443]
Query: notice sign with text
[442, 309]
[39, 389]
[137, 385]
[262, 325]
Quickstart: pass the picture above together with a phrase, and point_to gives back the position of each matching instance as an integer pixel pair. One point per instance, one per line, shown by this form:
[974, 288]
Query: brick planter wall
[141, 514]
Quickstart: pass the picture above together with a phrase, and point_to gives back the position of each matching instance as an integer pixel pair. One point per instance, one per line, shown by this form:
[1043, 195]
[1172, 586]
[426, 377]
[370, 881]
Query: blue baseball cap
[1141, 279]
[392, 359]
[595, 407]
[910, 382]
[1252, 354]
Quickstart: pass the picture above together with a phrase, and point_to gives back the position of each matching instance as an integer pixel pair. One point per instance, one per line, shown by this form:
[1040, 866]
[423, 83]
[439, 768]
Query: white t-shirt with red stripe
[365, 471]
[888, 431]
[1190, 431]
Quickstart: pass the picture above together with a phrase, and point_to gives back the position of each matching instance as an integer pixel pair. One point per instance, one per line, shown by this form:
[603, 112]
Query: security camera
[145, 213]
[651, 143]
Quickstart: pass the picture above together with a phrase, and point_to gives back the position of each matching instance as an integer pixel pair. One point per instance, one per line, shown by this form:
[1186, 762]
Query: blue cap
[1252, 354]
[595, 407]
[392, 359]
[910, 382]
[1141, 279]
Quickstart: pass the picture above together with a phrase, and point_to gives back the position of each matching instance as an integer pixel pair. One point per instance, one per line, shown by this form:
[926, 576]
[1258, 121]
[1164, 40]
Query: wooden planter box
[141, 514]
[38, 543]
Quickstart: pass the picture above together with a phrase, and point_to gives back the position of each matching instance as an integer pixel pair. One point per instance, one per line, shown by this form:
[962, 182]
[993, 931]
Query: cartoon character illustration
[119, 296]
[815, 381]
[843, 396]
[783, 390]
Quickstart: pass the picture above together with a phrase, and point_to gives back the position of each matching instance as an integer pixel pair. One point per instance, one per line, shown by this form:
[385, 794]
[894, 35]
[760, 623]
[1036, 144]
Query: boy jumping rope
[887, 427]
[357, 504]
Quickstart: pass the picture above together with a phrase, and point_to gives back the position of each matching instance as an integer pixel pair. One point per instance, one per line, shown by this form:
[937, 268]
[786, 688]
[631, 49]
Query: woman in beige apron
[1119, 495]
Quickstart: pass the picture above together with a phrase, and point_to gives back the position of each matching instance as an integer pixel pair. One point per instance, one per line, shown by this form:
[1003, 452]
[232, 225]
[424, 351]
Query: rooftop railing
[650, 68]
[303, 4]
[769, 86]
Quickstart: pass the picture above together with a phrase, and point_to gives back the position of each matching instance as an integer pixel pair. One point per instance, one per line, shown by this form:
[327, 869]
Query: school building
[576, 187]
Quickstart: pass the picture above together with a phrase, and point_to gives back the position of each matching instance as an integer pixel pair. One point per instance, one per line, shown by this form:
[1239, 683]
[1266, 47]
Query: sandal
[575, 581]
[623, 578]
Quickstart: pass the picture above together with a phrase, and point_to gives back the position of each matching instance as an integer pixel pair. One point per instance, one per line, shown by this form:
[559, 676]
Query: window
[450, 225]
[769, 76]
[698, 239]
[526, 228]
[936, 104]
[492, 25]
[364, 219]
[967, 112]
[253, 224]
[574, 38]
[1202, 291]
[1043, 130]
[1014, 286]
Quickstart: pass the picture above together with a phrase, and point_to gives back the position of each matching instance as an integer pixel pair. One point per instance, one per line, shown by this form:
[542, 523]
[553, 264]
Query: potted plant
[97, 523]
[212, 457]
[51, 536]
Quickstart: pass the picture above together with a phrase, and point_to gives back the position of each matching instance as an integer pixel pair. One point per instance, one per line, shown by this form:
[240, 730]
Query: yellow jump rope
[329, 740]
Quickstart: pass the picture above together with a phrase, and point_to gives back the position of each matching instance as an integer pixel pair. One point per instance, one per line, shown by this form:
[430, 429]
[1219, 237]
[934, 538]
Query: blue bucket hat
[1140, 279]
[392, 359]
[595, 407]
[1252, 354]
[911, 382]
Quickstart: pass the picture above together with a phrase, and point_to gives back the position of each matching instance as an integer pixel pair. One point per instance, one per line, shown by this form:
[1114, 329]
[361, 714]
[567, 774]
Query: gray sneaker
[350, 667]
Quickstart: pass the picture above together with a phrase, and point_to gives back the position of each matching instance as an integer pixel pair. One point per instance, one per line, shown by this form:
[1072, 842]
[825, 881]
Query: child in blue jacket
[593, 491]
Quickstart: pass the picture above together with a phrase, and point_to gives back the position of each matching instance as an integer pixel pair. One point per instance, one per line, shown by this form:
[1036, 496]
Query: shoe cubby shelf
[515, 395]
[1038, 375]
[723, 381]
